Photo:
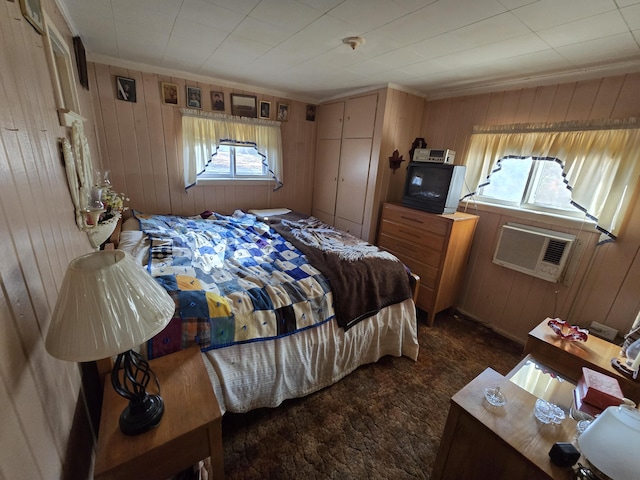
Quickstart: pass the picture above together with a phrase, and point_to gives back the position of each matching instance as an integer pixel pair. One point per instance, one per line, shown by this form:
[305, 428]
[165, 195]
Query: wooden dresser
[434, 247]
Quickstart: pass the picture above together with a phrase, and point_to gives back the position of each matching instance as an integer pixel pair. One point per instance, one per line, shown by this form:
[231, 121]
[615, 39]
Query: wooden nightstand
[190, 430]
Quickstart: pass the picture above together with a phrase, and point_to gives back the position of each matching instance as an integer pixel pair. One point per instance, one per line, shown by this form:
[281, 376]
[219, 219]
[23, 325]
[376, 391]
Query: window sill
[531, 215]
[232, 181]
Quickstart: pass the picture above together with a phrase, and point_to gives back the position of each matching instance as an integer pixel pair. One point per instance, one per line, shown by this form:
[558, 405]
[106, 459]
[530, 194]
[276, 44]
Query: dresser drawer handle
[416, 220]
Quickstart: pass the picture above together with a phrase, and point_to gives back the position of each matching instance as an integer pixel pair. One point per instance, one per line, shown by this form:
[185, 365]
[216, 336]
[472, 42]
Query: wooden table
[568, 358]
[482, 441]
[190, 430]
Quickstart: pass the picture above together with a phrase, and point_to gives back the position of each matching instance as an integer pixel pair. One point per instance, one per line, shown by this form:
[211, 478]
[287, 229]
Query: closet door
[326, 178]
[360, 117]
[352, 178]
[330, 120]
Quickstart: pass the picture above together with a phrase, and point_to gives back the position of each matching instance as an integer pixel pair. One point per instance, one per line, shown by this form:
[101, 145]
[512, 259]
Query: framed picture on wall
[32, 11]
[244, 105]
[311, 113]
[169, 93]
[283, 112]
[217, 101]
[126, 89]
[194, 97]
[265, 109]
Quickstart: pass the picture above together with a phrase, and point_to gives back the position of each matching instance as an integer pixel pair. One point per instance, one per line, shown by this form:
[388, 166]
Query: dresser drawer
[419, 238]
[409, 249]
[428, 274]
[427, 222]
[426, 298]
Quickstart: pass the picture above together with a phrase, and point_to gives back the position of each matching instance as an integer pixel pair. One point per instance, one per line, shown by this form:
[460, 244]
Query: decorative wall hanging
[283, 112]
[244, 105]
[169, 92]
[194, 97]
[32, 11]
[126, 89]
[217, 101]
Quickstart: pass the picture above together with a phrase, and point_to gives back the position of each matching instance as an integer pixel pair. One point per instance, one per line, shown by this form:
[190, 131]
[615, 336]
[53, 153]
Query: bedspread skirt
[264, 374]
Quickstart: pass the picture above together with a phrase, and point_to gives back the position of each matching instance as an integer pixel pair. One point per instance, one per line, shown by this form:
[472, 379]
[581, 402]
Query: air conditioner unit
[534, 251]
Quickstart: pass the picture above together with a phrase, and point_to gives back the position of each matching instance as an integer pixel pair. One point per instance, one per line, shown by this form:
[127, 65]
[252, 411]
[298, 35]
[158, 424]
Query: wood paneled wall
[38, 234]
[141, 144]
[607, 277]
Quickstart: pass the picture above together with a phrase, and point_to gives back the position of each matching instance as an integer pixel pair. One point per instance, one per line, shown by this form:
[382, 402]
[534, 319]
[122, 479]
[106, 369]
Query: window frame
[233, 175]
[525, 204]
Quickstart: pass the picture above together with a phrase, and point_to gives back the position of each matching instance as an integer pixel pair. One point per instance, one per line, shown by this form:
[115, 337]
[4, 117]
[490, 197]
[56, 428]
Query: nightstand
[190, 430]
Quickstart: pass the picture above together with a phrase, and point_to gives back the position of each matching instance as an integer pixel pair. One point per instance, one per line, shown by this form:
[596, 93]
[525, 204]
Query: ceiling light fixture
[353, 42]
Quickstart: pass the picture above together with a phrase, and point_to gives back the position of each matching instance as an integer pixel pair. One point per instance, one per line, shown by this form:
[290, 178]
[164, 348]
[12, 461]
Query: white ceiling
[434, 48]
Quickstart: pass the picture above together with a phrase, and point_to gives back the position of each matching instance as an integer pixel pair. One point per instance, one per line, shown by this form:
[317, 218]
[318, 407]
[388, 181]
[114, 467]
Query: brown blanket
[361, 288]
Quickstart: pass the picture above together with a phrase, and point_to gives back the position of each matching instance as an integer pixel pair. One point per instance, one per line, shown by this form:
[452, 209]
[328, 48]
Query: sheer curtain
[203, 131]
[601, 161]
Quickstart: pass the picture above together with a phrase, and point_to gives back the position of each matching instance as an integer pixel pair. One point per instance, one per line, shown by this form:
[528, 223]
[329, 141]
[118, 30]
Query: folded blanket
[363, 278]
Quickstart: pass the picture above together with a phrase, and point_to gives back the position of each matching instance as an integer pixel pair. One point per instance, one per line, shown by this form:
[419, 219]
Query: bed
[280, 307]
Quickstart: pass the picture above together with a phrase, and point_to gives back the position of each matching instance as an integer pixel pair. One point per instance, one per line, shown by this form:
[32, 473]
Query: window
[218, 147]
[236, 161]
[530, 183]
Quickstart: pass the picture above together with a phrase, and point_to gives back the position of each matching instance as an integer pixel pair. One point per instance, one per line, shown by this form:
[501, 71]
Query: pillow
[131, 223]
[136, 244]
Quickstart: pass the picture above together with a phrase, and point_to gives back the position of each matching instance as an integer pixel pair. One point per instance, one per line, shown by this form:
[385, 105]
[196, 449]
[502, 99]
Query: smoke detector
[353, 42]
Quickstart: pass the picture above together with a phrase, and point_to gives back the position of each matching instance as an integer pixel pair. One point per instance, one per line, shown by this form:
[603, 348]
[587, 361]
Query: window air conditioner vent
[534, 251]
[554, 251]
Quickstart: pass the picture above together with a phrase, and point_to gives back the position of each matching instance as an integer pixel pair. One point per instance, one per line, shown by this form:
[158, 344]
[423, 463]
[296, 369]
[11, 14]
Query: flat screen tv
[433, 187]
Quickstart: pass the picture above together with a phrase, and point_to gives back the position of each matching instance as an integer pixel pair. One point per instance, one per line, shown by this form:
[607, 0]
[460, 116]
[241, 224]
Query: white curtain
[601, 161]
[202, 133]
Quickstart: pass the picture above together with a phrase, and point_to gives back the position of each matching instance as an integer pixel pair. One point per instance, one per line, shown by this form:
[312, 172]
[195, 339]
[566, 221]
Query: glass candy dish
[565, 331]
[495, 397]
[548, 413]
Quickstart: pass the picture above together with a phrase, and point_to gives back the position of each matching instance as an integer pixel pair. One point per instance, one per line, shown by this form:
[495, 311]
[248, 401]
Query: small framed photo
[126, 89]
[32, 11]
[194, 97]
[283, 112]
[311, 113]
[169, 92]
[217, 101]
[244, 105]
[265, 109]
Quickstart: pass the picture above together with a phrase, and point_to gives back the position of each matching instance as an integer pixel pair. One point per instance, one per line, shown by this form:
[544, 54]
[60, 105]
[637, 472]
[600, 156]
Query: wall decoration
[217, 101]
[194, 97]
[126, 89]
[283, 112]
[169, 92]
[265, 109]
[32, 11]
[311, 113]
[81, 62]
[244, 105]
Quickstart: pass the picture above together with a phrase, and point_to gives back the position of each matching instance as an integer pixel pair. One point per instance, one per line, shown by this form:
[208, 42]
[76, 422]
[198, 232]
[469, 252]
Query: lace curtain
[203, 131]
[601, 162]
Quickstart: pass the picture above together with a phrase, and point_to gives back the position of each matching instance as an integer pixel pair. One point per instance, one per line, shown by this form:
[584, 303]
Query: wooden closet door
[326, 176]
[360, 117]
[352, 178]
[330, 120]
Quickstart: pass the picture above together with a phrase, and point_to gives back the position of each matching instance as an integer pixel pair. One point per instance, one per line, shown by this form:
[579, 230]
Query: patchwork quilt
[233, 280]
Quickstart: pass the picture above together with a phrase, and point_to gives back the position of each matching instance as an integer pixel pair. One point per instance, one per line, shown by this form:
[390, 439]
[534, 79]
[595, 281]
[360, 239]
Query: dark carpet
[383, 421]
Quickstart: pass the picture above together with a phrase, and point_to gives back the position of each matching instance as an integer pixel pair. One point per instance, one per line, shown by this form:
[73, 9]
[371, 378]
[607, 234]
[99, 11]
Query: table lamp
[610, 444]
[108, 305]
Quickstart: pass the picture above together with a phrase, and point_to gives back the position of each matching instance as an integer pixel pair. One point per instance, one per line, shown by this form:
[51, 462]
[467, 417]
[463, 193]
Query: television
[433, 187]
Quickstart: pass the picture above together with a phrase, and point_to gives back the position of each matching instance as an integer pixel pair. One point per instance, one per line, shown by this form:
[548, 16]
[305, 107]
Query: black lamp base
[140, 418]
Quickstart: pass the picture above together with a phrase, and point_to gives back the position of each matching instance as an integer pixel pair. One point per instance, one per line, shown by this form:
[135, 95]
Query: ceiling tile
[550, 13]
[287, 14]
[631, 16]
[603, 50]
[239, 6]
[591, 28]
[213, 16]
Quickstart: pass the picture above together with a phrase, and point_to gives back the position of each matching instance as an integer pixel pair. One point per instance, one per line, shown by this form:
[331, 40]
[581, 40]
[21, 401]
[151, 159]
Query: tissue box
[598, 389]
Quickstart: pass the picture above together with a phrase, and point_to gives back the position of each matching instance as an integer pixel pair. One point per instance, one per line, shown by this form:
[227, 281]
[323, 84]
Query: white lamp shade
[107, 305]
[611, 443]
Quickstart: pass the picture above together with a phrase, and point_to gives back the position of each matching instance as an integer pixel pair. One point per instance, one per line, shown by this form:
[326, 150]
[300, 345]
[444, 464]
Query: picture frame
[265, 109]
[217, 101]
[81, 62]
[283, 112]
[311, 113]
[32, 11]
[194, 97]
[244, 105]
[126, 89]
[169, 93]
